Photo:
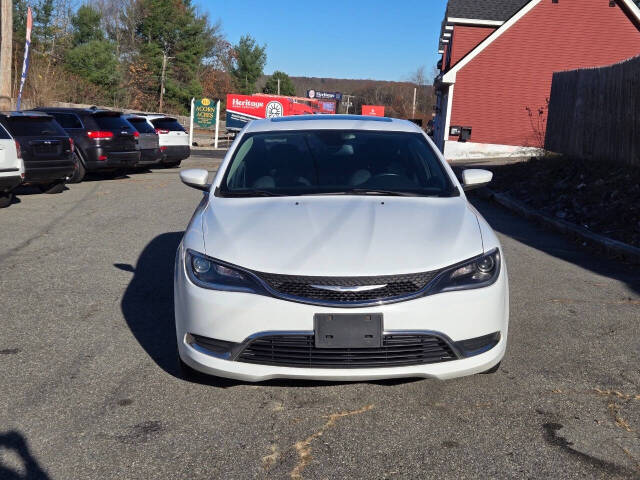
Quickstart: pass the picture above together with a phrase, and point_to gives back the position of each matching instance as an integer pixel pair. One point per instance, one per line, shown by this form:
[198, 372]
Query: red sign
[241, 109]
[373, 110]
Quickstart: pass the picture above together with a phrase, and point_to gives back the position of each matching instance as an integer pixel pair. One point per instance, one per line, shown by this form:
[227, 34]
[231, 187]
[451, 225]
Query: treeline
[114, 53]
[397, 97]
[111, 52]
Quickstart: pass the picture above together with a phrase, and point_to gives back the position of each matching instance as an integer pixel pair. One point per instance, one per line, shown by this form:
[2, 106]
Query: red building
[498, 58]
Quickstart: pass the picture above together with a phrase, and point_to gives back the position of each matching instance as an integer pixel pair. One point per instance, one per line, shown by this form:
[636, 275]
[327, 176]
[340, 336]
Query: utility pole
[6, 11]
[278, 86]
[347, 103]
[165, 58]
[415, 91]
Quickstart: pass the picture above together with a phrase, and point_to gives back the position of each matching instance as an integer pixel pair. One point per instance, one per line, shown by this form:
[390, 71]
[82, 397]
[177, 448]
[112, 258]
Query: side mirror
[475, 178]
[196, 178]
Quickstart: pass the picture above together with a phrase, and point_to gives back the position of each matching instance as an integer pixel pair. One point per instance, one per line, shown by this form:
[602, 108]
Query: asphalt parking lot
[90, 386]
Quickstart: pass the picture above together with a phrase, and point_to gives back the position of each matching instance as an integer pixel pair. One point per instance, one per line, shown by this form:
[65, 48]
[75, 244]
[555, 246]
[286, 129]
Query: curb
[611, 248]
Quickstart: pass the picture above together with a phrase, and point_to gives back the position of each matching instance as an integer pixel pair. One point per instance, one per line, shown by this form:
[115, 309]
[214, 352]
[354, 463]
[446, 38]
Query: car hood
[341, 236]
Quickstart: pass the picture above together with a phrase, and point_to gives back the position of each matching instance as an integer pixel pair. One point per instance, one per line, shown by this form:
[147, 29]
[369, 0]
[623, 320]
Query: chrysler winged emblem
[364, 288]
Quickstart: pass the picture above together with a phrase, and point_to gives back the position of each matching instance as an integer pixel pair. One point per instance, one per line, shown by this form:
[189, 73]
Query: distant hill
[397, 97]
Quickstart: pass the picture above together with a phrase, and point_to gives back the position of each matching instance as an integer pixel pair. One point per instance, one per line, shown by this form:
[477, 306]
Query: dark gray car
[148, 142]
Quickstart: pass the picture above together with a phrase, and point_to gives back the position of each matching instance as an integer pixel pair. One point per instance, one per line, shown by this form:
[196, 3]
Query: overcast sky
[378, 39]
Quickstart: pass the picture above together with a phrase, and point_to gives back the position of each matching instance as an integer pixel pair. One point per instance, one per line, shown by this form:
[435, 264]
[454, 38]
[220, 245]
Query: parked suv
[11, 167]
[174, 141]
[44, 146]
[148, 142]
[105, 141]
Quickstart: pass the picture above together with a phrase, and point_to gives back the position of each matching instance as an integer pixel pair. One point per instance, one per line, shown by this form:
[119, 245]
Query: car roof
[90, 111]
[332, 122]
[154, 116]
[26, 113]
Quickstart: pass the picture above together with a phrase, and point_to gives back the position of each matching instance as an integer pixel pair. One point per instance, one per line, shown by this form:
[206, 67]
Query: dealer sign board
[373, 110]
[337, 96]
[204, 115]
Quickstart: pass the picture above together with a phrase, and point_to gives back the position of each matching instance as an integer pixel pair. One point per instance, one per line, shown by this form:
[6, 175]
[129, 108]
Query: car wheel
[80, 171]
[172, 164]
[52, 188]
[493, 369]
[6, 199]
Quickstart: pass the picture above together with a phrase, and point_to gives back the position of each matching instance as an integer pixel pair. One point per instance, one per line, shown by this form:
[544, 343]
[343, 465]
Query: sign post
[215, 145]
[193, 101]
[205, 114]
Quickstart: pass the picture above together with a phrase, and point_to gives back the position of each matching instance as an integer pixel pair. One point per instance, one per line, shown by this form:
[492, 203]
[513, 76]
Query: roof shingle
[501, 10]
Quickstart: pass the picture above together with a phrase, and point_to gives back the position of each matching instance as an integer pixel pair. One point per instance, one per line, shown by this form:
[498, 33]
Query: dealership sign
[337, 96]
[204, 114]
[373, 110]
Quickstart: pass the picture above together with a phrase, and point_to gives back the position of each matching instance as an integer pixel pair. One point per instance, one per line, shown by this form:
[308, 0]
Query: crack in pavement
[551, 436]
[49, 226]
[303, 447]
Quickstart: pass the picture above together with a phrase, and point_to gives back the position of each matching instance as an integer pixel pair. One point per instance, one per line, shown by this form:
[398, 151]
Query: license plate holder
[348, 330]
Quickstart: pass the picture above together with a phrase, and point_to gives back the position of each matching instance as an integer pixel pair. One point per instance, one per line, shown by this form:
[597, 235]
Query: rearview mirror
[475, 178]
[196, 178]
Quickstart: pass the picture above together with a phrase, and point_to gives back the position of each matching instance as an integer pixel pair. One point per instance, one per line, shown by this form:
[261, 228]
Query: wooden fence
[595, 113]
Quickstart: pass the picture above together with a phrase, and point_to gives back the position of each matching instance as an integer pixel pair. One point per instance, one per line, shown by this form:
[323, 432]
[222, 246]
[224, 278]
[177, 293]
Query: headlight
[208, 273]
[479, 272]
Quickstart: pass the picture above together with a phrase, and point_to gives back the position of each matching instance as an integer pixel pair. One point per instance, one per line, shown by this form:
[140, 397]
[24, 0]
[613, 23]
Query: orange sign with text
[373, 110]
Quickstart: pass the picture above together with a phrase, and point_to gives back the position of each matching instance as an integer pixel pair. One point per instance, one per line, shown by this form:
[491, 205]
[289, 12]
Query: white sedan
[338, 248]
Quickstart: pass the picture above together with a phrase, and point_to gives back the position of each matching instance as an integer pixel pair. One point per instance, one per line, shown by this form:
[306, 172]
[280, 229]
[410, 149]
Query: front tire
[52, 188]
[6, 199]
[80, 171]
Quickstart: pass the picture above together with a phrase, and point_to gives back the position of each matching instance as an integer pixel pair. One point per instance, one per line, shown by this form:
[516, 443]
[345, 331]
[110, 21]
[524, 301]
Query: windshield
[141, 125]
[35, 126]
[318, 162]
[168, 124]
[112, 122]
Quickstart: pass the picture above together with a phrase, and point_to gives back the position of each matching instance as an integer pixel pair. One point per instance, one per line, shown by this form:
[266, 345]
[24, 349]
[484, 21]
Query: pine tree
[248, 64]
[286, 85]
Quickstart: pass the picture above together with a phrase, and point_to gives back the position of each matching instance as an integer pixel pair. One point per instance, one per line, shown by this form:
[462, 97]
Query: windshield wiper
[250, 193]
[368, 191]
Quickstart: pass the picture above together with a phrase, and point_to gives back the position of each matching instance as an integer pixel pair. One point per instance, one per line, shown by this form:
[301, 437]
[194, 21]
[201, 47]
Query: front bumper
[150, 156]
[113, 159]
[175, 153]
[9, 181]
[235, 317]
[43, 172]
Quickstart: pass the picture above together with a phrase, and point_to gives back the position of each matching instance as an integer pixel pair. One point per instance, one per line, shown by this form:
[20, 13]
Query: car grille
[306, 288]
[300, 351]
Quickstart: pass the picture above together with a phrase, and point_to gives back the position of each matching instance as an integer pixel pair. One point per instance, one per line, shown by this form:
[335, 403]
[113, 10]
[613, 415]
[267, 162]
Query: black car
[105, 141]
[46, 149]
[148, 143]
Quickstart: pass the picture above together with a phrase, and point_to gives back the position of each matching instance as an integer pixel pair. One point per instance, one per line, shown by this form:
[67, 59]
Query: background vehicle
[241, 109]
[148, 141]
[105, 141]
[45, 147]
[11, 167]
[174, 140]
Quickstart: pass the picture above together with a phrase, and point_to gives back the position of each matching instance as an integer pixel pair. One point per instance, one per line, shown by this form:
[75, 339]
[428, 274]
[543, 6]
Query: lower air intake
[300, 351]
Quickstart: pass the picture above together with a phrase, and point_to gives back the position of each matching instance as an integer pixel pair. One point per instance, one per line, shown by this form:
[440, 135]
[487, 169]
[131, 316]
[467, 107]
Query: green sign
[204, 113]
